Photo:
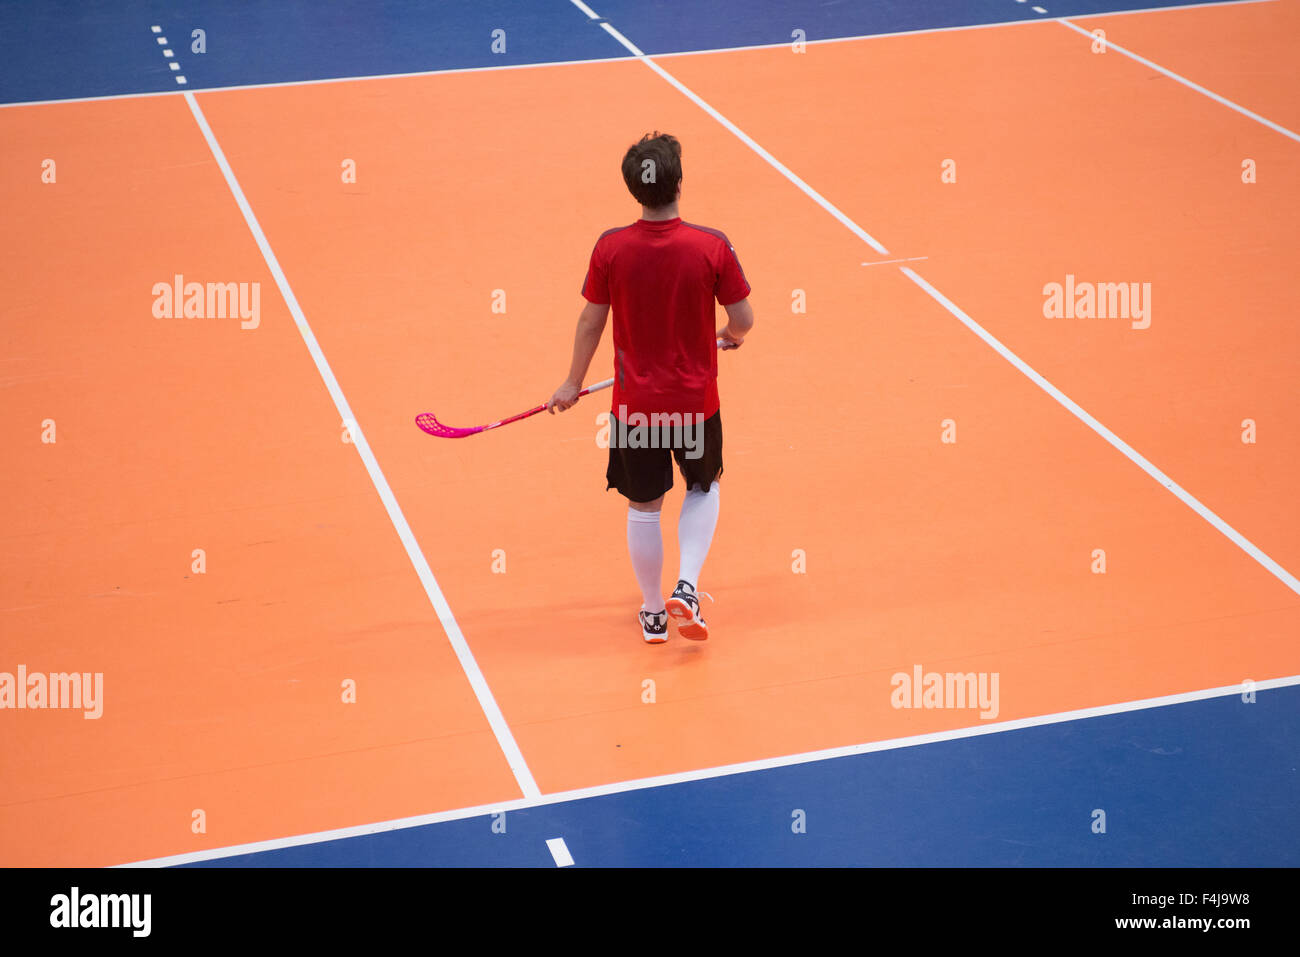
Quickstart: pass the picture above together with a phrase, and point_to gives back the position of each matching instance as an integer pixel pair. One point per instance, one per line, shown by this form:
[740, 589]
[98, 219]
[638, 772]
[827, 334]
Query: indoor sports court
[1005, 571]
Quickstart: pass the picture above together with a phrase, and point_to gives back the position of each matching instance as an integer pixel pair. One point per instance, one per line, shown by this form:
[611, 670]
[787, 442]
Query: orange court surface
[307, 620]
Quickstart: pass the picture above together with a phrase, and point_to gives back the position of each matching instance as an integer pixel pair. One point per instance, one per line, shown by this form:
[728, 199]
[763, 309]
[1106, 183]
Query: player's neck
[660, 213]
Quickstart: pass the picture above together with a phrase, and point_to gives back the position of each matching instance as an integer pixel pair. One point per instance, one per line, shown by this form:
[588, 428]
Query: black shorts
[641, 456]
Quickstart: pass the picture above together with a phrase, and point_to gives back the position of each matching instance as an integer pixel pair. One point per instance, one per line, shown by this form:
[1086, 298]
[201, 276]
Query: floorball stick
[429, 423]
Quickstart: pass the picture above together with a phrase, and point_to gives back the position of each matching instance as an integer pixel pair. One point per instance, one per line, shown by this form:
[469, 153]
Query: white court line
[1232, 534]
[613, 59]
[1112, 45]
[969, 26]
[519, 767]
[812, 194]
[1129, 452]
[683, 777]
[348, 79]
[886, 262]
[560, 851]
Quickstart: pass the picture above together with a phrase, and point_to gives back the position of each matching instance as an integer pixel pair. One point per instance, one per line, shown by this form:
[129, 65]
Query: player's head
[652, 169]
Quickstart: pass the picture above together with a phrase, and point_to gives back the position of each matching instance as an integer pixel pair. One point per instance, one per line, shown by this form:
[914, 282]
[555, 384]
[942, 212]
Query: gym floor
[325, 637]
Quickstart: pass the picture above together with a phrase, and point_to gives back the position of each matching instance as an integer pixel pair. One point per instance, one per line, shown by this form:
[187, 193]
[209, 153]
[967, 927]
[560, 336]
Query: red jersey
[661, 279]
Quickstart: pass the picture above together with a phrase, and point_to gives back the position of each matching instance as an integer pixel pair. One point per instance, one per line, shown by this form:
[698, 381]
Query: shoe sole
[688, 625]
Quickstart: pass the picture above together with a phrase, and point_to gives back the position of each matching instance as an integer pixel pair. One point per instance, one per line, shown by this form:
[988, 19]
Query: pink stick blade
[428, 423]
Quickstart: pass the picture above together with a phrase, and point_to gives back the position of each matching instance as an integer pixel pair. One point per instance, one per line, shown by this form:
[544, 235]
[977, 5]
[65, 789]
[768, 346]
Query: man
[662, 275]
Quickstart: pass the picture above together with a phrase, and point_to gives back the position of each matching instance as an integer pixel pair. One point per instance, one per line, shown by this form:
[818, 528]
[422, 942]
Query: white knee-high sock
[645, 543]
[695, 531]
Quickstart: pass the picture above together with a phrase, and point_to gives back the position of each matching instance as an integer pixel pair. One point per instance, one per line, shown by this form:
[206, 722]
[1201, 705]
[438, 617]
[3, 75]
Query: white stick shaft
[597, 387]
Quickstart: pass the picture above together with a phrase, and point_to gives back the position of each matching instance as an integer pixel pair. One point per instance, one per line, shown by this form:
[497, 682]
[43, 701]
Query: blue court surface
[63, 49]
[1205, 783]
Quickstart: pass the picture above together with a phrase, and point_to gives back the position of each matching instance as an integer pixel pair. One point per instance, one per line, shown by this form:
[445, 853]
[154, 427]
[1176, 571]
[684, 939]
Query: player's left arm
[732, 292]
[740, 319]
[591, 326]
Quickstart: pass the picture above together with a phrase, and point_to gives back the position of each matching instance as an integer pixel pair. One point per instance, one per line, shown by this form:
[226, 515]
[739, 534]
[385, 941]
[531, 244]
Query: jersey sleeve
[595, 288]
[731, 285]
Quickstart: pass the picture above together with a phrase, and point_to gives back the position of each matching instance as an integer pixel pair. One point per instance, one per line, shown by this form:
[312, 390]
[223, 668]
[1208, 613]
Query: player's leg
[642, 475]
[645, 545]
[700, 461]
[695, 527]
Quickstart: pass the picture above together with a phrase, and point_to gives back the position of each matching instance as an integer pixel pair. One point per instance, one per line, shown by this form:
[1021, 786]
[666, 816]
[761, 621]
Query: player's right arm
[740, 319]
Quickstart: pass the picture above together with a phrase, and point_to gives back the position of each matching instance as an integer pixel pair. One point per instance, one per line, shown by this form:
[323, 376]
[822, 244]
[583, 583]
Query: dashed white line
[171, 61]
[560, 851]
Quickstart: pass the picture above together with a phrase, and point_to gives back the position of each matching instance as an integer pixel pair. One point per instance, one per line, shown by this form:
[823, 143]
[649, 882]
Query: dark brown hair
[652, 169]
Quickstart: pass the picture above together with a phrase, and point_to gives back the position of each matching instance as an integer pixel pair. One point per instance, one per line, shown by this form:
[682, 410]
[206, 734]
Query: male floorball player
[662, 276]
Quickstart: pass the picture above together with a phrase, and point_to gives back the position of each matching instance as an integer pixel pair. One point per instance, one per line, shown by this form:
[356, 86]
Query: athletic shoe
[684, 608]
[654, 626]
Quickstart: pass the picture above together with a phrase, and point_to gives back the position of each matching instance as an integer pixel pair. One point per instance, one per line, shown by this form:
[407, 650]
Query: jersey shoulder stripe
[719, 234]
[610, 232]
[712, 232]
